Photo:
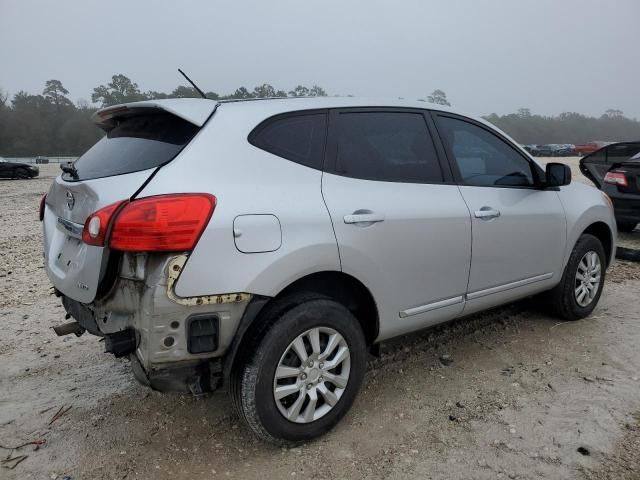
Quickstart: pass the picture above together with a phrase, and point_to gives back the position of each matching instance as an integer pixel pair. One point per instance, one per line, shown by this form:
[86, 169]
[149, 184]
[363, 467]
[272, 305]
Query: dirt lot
[508, 394]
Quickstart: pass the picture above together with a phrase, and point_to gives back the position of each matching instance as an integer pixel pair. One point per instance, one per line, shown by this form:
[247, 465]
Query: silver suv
[265, 246]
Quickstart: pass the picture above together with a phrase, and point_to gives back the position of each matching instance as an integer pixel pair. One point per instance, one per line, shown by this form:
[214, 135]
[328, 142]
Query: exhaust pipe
[68, 329]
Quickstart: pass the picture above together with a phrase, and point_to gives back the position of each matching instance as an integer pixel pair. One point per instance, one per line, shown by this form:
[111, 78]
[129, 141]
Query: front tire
[579, 291]
[304, 372]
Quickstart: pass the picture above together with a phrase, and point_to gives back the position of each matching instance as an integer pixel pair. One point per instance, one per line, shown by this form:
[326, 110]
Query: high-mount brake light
[162, 223]
[97, 224]
[616, 178]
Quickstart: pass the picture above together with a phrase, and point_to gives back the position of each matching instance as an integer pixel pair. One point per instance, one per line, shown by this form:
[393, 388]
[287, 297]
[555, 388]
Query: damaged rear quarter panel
[143, 298]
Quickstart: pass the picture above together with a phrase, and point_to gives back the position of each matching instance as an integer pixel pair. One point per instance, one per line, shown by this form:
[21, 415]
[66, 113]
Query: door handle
[487, 213]
[363, 218]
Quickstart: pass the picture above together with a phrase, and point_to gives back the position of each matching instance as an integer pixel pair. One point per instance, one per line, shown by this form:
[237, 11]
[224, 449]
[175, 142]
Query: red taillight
[97, 224]
[162, 223]
[616, 178]
[43, 201]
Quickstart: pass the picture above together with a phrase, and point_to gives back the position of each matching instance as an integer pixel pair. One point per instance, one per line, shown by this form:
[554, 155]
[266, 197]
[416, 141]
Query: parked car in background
[545, 150]
[42, 159]
[554, 150]
[265, 246]
[532, 149]
[590, 147]
[17, 170]
[615, 169]
[565, 150]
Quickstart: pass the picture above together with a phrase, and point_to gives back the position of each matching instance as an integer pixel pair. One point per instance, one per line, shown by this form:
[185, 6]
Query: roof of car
[198, 110]
[303, 103]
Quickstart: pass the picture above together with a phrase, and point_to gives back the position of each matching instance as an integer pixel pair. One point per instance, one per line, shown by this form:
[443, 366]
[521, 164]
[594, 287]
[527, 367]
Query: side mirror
[558, 174]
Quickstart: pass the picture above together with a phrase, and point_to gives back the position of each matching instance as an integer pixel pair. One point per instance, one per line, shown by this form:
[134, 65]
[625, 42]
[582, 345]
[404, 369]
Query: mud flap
[120, 343]
[196, 379]
[82, 314]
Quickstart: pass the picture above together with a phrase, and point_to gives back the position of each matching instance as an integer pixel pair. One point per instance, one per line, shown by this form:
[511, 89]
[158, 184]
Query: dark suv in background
[615, 169]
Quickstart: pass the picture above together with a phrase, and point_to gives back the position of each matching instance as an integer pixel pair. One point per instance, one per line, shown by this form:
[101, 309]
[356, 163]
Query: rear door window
[385, 146]
[298, 137]
[133, 144]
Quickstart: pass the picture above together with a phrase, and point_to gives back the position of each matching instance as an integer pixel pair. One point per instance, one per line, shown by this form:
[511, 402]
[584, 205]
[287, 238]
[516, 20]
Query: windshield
[135, 143]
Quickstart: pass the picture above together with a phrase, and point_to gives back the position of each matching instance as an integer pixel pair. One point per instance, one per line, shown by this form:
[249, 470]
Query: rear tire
[315, 403]
[577, 294]
[626, 227]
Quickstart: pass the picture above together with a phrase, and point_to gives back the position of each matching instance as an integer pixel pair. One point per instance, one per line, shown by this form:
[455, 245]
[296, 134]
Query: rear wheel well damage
[338, 286]
[602, 232]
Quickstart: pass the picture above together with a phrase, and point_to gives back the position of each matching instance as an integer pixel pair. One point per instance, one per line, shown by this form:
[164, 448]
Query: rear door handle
[363, 218]
[487, 213]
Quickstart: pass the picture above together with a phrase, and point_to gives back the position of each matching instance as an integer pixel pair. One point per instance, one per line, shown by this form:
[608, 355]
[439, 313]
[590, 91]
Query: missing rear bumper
[176, 342]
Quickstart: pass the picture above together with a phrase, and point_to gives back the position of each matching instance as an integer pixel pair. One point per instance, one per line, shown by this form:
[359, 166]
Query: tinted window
[388, 146]
[134, 144]
[599, 156]
[299, 138]
[483, 159]
[622, 152]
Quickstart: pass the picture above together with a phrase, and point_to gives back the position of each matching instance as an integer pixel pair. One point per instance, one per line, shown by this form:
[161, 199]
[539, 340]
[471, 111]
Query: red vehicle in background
[590, 147]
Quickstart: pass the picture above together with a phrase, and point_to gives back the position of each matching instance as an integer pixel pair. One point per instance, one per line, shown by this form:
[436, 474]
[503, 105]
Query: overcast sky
[488, 55]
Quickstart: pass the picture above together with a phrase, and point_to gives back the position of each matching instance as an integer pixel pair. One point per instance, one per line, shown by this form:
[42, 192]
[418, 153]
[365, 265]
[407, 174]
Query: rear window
[622, 152]
[134, 144]
[298, 137]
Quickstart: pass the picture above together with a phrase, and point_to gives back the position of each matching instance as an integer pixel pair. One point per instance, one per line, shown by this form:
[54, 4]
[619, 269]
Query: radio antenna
[193, 84]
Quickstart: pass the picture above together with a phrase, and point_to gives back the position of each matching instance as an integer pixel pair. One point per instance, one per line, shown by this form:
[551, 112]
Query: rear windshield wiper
[69, 168]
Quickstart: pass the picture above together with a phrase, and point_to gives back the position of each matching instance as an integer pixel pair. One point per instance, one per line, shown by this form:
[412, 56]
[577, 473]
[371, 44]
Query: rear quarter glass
[133, 144]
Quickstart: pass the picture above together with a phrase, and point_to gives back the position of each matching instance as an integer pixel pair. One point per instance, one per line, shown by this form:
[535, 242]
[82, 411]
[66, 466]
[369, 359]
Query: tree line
[568, 127]
[49, 123]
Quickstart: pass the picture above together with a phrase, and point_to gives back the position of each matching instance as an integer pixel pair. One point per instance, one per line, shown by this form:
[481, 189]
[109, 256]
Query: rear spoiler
[193, 110]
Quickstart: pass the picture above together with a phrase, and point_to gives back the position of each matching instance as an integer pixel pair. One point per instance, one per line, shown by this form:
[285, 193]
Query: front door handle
[363, 219]
[487, 213]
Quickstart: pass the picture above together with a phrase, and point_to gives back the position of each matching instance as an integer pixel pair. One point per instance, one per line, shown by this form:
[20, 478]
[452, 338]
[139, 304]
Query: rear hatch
[619, 157]
[140, 138]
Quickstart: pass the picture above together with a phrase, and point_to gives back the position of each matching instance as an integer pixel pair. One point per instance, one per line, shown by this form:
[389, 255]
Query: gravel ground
[511, 393]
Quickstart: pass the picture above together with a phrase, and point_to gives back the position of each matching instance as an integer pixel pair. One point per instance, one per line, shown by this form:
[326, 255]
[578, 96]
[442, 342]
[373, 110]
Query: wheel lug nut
[309, 386]
[321, 365]
[303, 376]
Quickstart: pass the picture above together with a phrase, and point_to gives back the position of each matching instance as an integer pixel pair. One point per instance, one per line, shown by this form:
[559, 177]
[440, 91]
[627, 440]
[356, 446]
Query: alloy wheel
[312, 375]
[588, 277]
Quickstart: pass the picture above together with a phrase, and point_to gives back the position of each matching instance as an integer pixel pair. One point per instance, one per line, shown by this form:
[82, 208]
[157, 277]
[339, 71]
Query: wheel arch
[347, 290]
[342, 287]
[602, 232]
